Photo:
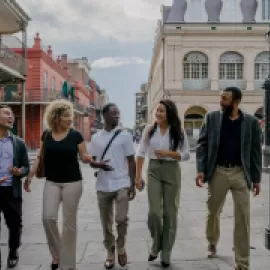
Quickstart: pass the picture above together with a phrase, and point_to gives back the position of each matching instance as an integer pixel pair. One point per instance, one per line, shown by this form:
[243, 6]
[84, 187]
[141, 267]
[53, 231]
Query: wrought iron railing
[38, 96]
[10, 58]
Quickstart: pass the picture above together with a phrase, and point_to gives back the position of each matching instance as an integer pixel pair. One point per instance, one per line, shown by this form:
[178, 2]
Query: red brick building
[45, 82]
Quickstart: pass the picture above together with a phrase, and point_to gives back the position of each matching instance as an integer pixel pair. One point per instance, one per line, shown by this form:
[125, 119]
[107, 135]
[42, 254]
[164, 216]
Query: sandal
[109, 264]
[122, 259]
[13, 259]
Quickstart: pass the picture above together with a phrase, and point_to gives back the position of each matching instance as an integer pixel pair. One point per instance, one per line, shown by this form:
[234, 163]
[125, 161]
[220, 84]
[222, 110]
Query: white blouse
[161, 142]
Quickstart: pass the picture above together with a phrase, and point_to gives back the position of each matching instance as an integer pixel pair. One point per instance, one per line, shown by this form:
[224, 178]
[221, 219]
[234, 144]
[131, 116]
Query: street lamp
[266, 146]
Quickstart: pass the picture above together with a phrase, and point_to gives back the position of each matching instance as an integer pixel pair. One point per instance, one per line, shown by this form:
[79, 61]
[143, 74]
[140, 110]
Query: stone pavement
[190, 248]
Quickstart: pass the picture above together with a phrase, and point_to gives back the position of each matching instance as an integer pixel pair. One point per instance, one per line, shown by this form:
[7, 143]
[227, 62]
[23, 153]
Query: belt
[161, 161]
[229, 165]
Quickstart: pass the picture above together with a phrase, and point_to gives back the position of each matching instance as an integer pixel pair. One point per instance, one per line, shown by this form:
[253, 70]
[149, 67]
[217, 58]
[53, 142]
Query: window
[53, 84]
[265, 10]
[231, 66]
[195, 66]
[262, 66]
[45, 80]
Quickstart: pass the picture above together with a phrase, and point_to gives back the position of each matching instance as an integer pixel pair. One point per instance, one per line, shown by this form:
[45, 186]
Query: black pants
[12, 210]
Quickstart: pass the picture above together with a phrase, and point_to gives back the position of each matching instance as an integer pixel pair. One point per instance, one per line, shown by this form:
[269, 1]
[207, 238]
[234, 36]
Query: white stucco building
[192, 62]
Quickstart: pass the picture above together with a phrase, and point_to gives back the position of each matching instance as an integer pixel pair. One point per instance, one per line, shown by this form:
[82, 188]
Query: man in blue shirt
[14, 164]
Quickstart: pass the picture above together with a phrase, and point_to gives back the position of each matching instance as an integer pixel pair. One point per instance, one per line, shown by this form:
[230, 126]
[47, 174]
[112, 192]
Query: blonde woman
[61, 144]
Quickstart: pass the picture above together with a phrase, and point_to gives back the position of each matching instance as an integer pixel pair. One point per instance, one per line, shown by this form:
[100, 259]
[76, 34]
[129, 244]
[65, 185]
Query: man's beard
[228, 110]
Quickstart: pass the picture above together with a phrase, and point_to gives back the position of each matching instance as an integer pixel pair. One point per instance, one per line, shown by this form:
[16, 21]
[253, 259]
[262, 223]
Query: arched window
[231, 66]
[262, 66]
[195, 66]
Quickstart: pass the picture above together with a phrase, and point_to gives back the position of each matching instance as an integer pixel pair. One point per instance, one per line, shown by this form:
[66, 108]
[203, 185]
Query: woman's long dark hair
[174, 122]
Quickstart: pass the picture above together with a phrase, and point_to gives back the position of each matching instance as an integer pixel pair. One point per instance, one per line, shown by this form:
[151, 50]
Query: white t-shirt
[120, 149]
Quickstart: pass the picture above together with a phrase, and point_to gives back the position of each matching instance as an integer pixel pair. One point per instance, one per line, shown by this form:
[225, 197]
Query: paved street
[190, 248]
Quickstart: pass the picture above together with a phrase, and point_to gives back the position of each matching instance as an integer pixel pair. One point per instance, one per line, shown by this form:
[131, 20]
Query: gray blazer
[20, 160]
[251, 149]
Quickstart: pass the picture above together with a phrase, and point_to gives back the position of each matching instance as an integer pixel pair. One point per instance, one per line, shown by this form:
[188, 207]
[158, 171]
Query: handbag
[108, 146]
[40, 173]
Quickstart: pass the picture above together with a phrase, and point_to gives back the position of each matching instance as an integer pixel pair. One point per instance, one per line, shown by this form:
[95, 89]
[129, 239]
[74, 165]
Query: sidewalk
[190, 248]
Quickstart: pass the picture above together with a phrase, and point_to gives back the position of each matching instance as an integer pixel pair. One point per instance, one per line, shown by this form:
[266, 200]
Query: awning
[11, 72]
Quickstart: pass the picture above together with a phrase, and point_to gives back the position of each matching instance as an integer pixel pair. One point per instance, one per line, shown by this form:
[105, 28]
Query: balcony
[38, 96]
[237, 83]
[11, 65]
[196, 85]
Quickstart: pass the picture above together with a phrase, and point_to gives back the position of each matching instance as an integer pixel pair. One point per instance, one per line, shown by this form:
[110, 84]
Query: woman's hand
[27, 183]
[139, 183]
[162, 153]
[87, 158]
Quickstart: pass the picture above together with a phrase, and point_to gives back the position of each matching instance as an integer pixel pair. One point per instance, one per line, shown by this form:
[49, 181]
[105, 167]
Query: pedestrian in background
[166, 144]
[59, 149]
[229, 157]
[14, 165]
[113, 152]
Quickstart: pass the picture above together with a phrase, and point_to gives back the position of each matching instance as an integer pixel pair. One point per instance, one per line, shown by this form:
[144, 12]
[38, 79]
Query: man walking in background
[113, 150]
[229, 158]
[14, 165]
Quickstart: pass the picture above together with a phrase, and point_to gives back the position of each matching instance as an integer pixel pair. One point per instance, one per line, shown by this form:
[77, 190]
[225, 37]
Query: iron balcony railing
[10, 58]
[38, 96]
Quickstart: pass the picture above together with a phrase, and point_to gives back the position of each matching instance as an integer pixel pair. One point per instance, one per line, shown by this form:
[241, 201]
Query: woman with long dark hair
[166, 144]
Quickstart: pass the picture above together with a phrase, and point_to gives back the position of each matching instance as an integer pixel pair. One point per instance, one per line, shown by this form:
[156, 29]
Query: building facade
[101, 99]
[192, 62]
[48, 79]
[141, 107]
[13, 70]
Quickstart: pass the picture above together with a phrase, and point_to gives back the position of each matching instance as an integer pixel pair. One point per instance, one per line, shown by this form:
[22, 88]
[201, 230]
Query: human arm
[256, 157]
[202, 152]
[129, 154]
[24, 160]
[143, 147]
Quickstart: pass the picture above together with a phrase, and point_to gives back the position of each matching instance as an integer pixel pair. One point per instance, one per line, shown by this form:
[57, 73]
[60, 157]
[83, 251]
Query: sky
[116, 37]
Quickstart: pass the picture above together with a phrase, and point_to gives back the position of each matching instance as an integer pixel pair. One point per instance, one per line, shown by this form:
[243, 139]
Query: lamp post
[266, 146]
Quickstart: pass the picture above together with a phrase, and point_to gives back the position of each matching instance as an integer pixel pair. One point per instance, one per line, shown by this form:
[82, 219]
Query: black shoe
[152, 258]
[13, 259]
[164, 265]
[54, 266]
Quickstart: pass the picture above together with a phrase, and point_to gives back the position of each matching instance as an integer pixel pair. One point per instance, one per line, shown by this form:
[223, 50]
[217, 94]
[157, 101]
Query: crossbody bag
[108, 146]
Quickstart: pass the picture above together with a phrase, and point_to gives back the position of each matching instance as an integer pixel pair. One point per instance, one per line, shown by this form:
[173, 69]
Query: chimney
[58, 61]
[37, 42]
[64, 61]
[49, 51]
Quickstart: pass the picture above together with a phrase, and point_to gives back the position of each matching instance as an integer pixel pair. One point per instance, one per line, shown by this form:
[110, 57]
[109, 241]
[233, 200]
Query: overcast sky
[115, 35]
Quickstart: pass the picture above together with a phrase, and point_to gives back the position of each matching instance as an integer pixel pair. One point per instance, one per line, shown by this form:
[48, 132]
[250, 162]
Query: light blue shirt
[6, 159]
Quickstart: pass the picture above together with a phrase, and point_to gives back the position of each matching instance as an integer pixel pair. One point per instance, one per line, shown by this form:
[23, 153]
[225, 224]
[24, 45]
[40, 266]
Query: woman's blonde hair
[55, 110]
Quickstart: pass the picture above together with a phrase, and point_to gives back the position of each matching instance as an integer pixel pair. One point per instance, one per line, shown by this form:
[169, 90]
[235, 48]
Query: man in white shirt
[115, 181]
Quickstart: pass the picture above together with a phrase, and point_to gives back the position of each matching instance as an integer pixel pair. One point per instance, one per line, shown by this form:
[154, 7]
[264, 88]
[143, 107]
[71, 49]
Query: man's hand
[103, 165]
[161, 153]
[26, 184]
[132, 193]
[16, 171]
[256, 188]
[3, 179]
[200, 180]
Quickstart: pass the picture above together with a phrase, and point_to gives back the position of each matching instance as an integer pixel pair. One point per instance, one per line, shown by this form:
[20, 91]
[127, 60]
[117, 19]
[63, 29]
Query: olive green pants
[164, 181]
[223, 180]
